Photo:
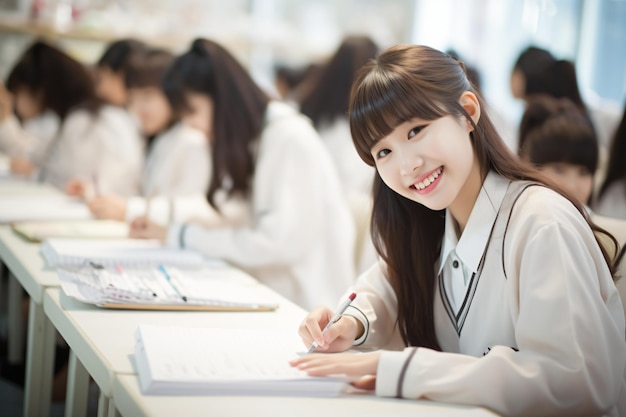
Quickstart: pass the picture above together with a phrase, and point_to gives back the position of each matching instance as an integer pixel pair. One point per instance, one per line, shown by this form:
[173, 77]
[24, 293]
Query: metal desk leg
[112, 410]
[103, 405]
[39, 362]
[77, 388]
[15, 321]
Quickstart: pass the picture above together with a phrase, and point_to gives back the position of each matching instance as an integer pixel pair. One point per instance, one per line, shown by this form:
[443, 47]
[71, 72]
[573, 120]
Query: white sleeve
[193, 173]
[120, 163]
[14, 139]
[376, 308]
[292, 185]
[569, 330]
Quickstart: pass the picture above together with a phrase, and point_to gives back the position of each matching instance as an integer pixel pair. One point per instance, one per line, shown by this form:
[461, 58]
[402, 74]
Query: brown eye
[415, 131]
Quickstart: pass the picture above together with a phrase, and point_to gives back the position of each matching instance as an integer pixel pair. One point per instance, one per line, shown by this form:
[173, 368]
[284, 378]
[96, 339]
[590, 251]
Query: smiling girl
[493, 290]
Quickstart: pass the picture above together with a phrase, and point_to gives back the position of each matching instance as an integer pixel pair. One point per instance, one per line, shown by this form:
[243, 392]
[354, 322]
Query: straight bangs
[382, 101]
[564, 150]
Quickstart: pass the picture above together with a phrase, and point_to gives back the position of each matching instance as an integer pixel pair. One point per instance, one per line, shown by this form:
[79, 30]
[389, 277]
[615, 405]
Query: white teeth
[428, 180]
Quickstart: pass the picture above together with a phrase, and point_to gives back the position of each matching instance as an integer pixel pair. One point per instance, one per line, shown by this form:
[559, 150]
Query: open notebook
[212, 361]
[216, 286]
[124, 252]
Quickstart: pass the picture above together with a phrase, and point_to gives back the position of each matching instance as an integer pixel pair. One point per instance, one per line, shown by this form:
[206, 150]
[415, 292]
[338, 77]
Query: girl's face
[518, 84]
[433, 162]
[110, 86]
[27, 104]
[200, 114]
[576, 180]
[150, 106]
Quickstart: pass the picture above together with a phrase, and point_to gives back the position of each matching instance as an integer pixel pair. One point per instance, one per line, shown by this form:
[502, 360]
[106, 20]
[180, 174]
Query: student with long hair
[300, 237]
[325, 98]
[493, 289]
[94, 141]
[611, 199]
[177, 162]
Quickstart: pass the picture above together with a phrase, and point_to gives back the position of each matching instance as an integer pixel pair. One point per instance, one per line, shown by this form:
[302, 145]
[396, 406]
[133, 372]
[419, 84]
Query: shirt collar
[471, 246]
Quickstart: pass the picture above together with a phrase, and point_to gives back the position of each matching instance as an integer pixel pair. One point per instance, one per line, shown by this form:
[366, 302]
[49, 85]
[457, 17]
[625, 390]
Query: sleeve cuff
[390, 373]
[174, 235]
[358, 314]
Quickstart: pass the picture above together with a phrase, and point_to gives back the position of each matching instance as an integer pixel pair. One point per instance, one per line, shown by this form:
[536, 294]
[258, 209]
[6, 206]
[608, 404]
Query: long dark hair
[62, 82]
[405, 82]
[616, 168]
[239, 107]
[327, 94]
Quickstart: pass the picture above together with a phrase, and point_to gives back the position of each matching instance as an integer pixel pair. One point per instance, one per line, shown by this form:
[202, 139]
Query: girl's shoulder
[538, 205]
[285, 126]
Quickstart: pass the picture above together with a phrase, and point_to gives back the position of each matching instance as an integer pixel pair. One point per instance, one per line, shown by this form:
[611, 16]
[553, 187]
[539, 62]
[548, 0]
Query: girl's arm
[569, 329]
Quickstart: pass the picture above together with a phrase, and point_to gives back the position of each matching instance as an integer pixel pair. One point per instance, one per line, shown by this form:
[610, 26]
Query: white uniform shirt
[356, 176]
[105, 147]
[178, 164]
[613, 202]
[557, 305]
[301, 238]
[29, 139]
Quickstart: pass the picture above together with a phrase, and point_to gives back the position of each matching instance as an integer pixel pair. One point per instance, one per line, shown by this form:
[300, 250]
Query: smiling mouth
[427, 182]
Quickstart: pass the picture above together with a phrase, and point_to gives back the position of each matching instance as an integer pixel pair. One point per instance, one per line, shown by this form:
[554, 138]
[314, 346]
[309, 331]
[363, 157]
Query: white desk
[27, 266]
[103, 340]
[129, 401]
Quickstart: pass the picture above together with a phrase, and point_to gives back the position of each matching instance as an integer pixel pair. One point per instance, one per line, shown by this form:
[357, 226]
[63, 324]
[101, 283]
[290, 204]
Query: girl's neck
[464, 202]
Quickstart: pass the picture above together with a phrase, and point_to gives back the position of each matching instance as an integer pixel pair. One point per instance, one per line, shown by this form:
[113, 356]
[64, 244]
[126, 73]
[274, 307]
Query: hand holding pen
[335, 335]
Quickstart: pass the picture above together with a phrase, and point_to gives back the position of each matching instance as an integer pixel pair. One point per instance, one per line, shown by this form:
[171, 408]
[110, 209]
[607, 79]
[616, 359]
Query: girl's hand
[143, 228]
[76, 188]
[108, 207]
[360, 365]
[339, 336]
[22, 166]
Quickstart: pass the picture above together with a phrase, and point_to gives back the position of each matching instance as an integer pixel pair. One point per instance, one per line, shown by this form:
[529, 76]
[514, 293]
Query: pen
[334, 319]
[168, 278]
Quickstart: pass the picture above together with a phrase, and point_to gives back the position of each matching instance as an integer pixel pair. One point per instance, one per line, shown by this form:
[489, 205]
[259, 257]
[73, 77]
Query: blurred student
[557, 138]
[94, 142]
[559, 141]
[300, 238]
[611, 200]
[325, 97]
[494, 290]
[111, 70]
[177, 161]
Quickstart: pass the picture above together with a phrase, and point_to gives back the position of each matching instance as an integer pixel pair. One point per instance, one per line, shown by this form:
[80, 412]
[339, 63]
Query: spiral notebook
[125, 252]
[216, 286]
[214, 361]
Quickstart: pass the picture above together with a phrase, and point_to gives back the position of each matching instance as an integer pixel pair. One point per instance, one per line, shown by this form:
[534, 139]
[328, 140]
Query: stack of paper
[125, 252]
[48, 207]
[37, 231]
[211, 361]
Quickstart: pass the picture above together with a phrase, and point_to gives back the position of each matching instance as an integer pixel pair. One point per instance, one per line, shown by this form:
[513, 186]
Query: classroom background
[270, 37]
[264, 34]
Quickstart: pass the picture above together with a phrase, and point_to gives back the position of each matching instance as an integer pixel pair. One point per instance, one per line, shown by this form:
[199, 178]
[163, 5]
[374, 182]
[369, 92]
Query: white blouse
[541, 331]
[300, 239]
[178, 164]
[105, 149]
[29, 139]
